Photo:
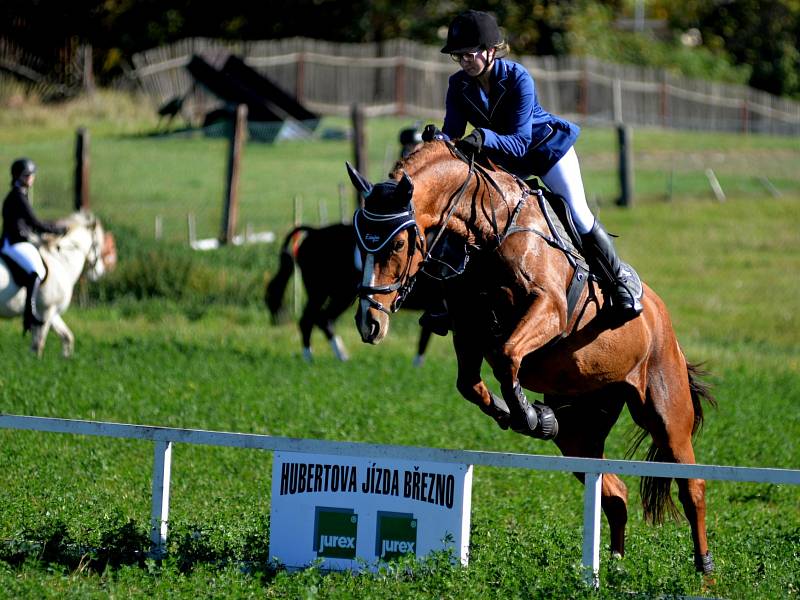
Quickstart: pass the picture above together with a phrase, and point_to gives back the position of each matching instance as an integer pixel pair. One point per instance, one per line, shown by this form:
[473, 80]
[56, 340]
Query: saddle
[559, 220]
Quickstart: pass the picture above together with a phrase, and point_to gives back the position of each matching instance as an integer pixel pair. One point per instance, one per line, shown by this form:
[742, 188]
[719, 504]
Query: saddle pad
[559, 231]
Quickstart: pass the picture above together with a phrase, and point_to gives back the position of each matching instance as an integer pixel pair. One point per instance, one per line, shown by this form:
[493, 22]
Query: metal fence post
[624, 135]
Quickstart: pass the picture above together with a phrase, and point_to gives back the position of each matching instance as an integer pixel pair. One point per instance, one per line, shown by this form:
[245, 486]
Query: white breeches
[26, 255]
[565, 180]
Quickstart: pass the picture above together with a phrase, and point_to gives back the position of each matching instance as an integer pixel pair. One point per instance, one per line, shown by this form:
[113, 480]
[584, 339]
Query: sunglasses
[469, 56]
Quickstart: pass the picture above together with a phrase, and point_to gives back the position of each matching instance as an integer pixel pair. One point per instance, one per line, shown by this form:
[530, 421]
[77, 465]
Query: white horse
[85, 246]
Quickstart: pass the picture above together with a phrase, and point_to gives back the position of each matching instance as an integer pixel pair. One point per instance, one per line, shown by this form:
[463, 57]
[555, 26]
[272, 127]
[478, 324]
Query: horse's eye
[398, 245]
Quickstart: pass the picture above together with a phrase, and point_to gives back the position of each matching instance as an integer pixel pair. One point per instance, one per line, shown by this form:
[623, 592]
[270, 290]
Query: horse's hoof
[338, 349]
[704, 563]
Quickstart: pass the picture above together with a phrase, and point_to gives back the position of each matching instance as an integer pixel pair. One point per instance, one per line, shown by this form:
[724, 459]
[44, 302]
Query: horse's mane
[424, 156]
[80, 218]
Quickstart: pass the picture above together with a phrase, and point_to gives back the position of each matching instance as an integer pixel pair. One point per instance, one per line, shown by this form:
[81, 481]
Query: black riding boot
[30, 317]
[618, 280]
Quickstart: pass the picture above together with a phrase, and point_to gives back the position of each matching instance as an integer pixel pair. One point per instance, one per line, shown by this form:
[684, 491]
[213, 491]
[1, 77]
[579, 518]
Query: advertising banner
[354, 512]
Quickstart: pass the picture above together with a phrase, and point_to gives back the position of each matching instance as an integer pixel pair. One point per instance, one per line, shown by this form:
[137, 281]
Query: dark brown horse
[509, 307]
[326, 257]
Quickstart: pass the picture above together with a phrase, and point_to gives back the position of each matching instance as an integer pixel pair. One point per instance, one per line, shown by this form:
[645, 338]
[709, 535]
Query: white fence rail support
[593, 468]
[162, 470]
[591, 528]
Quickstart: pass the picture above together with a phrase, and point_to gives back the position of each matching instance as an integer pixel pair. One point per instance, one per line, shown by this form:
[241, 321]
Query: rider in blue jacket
[19, 223]
[498, 98]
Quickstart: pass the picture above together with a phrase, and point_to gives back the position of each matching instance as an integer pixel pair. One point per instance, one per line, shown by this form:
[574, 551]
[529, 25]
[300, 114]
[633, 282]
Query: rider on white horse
[19, 222]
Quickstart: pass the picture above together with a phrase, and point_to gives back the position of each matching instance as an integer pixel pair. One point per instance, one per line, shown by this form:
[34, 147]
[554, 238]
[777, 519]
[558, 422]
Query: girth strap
[580, 274]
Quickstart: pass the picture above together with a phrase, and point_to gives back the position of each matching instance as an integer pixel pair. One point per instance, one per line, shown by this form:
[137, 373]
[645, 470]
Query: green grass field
[178, 338]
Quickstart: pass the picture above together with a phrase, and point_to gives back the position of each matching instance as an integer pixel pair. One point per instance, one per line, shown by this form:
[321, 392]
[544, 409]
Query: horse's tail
[657, 502]
[273, 294]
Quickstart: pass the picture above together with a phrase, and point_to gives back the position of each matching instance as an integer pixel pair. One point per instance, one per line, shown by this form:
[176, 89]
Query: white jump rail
[593, 468]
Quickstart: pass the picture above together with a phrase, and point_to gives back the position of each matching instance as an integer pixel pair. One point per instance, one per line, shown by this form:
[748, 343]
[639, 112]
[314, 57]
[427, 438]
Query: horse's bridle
[95, 253]
[405, 283]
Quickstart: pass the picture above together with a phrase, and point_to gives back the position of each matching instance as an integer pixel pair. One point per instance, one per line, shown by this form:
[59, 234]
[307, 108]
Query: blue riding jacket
[518, 134]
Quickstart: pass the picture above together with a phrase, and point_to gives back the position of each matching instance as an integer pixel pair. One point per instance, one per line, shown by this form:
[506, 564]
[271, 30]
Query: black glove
[471, 144]
[431, 132]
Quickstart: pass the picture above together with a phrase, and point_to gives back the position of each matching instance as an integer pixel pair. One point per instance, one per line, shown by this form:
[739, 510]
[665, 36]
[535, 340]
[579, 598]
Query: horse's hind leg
[326, 320]
[39, 336]
[307, 320]
[584, 424]
[669, 416]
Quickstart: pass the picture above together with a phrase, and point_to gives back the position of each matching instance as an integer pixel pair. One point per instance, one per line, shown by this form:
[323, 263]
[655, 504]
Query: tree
[760, 33]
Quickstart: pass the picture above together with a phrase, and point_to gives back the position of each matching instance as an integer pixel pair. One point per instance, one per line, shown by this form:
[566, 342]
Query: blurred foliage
[759, 33]
[181, 275]
[591, 32]
[741, 40]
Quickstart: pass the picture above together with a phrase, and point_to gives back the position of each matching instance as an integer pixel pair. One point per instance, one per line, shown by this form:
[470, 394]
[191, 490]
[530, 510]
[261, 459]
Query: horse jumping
[328, 262]
[509, 306]
[85, 246]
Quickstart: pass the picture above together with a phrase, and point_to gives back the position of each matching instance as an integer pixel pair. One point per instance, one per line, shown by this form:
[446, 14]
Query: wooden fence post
[300, 77]
[343, 216]
[400, 87]
[359, 146]
[87, 75]
[82, 170]
[230, 212]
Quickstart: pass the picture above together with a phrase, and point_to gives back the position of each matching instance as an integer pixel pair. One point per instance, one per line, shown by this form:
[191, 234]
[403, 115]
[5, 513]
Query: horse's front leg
[38, 337]
[541, 323]
[469, 356]
[63, 332]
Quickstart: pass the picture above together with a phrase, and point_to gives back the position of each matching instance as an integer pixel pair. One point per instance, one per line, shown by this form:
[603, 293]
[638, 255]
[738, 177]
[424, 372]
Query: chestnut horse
[509, 307]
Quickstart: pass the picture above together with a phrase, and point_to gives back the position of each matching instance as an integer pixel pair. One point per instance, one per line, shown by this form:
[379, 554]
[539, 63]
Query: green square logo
[396, 535]
[335, 532]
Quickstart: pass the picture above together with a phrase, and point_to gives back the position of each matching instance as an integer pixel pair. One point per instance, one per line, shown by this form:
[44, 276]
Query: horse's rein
[477, 169]
[404, 284]
[93, 256]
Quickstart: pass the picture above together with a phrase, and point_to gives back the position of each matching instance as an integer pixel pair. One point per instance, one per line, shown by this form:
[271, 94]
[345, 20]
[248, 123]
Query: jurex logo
[335, 532]
[396, 535]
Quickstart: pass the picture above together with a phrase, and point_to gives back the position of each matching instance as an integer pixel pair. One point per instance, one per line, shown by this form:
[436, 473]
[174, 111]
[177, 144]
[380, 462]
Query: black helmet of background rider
[22, 167]
[471, 31]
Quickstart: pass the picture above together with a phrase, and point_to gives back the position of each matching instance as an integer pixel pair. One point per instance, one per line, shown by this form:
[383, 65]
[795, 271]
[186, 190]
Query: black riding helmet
[22, 167]
[470, 31]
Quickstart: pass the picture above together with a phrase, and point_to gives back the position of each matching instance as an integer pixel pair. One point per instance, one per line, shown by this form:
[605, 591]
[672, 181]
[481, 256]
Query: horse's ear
[359, 181]
[405, 188]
